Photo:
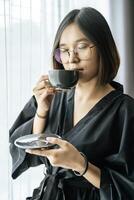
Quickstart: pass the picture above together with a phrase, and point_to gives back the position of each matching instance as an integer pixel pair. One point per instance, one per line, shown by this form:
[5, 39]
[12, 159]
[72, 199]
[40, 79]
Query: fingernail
[28, 150]
[49, 139]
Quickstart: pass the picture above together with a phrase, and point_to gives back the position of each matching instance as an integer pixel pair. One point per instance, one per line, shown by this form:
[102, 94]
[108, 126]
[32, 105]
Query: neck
[91, 91]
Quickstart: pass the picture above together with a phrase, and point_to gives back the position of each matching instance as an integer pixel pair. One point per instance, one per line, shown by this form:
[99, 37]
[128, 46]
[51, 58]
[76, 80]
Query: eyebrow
[76, 41]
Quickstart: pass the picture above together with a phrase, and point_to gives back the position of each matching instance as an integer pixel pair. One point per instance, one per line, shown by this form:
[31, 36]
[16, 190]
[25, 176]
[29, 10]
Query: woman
[95, 119]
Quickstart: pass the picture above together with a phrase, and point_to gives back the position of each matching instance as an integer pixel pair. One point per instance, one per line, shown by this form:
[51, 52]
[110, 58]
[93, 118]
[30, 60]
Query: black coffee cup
[63, 79]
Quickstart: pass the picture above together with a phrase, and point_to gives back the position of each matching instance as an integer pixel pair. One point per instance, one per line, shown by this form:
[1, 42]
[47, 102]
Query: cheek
[91, 71]
[96, 59]
[94, 64]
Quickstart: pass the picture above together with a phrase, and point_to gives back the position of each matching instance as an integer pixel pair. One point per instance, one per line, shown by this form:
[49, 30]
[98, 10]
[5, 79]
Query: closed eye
[82, 46]
[63, 50]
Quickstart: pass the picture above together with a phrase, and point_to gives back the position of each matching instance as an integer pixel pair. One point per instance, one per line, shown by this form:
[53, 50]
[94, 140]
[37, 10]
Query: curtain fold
[122, 24]
[4, 100]
[129, 45]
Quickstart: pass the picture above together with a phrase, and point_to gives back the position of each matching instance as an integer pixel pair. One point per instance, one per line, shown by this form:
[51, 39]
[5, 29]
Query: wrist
[83, 166]
[41, 116]
[42, 110]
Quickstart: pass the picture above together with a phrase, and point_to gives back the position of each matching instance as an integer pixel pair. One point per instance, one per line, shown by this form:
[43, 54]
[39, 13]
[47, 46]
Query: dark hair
[95, 27]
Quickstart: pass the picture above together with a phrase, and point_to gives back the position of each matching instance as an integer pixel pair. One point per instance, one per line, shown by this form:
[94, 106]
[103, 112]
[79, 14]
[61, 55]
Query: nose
[72, 57]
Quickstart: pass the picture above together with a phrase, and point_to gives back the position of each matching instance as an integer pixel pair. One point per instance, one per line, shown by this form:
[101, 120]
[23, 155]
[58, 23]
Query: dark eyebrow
[76, 41]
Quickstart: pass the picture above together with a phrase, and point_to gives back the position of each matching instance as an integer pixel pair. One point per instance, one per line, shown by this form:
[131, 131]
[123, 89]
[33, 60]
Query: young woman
[95, 119]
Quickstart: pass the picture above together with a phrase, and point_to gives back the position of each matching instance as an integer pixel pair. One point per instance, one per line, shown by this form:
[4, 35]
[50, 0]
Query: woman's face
[85, 58]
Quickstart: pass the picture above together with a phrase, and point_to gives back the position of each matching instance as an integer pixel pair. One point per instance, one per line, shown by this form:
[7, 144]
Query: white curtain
[27, 29]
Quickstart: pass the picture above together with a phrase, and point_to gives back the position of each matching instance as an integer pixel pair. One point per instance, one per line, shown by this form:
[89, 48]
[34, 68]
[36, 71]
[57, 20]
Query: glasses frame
[75, 51]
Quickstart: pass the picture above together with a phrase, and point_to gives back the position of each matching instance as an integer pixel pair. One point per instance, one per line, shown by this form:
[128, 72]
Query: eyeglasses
[82, 51]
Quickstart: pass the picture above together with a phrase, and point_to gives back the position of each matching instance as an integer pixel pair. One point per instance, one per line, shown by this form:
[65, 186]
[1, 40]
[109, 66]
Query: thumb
[58, 141]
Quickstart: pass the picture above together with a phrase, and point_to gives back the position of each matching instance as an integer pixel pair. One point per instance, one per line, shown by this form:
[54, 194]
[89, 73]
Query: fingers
[43, 81]
[52, 155]
[42, 78]
[57, 156]
[41, 85]
[40, 152]
[62, 143]
[35, 152]
[47, 91]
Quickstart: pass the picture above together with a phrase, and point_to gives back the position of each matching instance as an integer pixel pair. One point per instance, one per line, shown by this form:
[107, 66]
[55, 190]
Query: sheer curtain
[27, 29]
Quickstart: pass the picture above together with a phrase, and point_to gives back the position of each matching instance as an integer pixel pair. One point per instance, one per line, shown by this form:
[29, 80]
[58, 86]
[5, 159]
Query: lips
[76, 68]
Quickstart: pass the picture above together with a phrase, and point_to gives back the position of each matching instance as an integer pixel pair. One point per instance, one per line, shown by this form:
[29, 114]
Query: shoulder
[127, 102]
[128, 98]
[124, 100]
[126, 109]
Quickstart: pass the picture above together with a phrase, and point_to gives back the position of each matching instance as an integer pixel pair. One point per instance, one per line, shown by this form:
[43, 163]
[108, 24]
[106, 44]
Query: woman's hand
[66, 156]
[43, 93]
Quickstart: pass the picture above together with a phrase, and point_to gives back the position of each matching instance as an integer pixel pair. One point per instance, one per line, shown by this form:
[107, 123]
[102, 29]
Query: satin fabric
[105, 135]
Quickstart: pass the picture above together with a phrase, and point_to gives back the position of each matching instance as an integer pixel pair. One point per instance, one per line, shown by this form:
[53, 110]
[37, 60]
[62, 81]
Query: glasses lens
[57, 55]
[82, 53]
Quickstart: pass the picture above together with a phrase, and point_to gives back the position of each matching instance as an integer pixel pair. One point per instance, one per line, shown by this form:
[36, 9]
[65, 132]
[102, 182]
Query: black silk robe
[105, 135]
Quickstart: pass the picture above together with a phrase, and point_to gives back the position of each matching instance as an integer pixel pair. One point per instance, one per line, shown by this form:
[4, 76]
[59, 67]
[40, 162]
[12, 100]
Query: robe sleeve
[117, 175]
[23, 125]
